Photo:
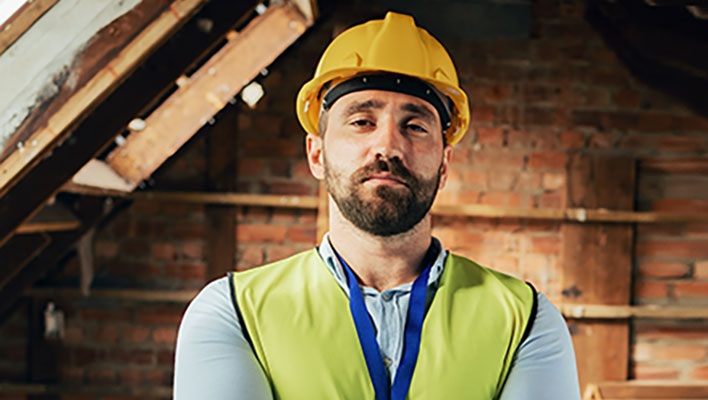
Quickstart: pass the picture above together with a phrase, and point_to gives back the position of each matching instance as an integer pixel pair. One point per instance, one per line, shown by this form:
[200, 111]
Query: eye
[362, 123]
[416, 128]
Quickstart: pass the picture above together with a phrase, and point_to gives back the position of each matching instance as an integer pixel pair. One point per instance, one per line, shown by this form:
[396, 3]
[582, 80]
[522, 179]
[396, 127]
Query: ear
[447, 156]
[315, 156]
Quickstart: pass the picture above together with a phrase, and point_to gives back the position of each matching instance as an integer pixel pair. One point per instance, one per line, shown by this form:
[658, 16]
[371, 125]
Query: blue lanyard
[411, 337]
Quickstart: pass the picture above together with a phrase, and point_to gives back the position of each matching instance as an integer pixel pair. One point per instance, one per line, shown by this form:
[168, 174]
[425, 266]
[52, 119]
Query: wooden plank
[576, 311]
[652, 390]
[96, 390]
[207, 91]
[97, 88]
[134, 96]
[237, 199]
[18, 252]
[675, 165]
[571, 214]
[596, 263]
[468, 210]
[601, 311]
[90, 211]
[322, 212]
[157, 296]
[221, 174]
[51, 218]
[22, 20]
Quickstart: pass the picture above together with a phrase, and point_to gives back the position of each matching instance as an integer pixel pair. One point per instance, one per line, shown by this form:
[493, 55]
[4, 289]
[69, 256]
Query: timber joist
[576, 214]
[574, 311]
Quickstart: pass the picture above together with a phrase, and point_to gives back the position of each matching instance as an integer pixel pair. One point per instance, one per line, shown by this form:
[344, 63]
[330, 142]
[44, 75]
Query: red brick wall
[535, 102]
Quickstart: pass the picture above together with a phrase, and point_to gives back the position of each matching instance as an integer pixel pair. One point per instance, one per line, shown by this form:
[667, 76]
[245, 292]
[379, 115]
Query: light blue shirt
[214, 360]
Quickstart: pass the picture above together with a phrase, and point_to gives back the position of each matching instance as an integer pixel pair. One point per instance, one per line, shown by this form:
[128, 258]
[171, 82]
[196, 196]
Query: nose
[388, 141]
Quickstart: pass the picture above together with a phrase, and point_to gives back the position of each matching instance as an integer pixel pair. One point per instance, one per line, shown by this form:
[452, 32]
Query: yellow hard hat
[394, 45]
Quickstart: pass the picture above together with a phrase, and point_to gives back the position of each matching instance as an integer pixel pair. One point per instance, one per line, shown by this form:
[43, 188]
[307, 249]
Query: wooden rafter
[207, 91]
[14, 27]
[675, 166]
[647, 390]
[50, 218]
[575, 311]
[102, 83]
[138, 93]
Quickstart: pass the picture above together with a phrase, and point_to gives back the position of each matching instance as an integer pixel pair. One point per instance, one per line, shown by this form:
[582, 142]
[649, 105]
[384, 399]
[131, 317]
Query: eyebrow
[422, 111]
[363, 106]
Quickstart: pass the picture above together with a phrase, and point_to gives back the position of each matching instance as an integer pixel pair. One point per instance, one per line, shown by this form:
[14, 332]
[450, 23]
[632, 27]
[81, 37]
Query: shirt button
[386, 296]
[387, 361]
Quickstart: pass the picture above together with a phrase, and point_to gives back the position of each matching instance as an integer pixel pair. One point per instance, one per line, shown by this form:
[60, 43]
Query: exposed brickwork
[535, 102]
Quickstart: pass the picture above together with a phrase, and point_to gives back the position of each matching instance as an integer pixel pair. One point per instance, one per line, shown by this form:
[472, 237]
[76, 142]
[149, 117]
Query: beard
[389, 210]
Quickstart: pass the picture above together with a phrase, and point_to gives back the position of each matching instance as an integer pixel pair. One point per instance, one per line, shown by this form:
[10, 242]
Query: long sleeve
[544, 365]
[213, 360]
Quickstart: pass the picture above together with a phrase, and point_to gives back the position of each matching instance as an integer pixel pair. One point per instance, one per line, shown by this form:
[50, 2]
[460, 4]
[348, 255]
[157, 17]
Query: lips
[385, 177]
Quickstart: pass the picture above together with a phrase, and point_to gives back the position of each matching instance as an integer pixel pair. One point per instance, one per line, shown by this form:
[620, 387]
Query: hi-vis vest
[298, 320]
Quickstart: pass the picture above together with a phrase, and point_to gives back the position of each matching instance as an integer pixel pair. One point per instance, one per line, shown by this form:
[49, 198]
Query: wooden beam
[236, 199]
[206, 92]
[159, 296]
[322, 212]
[96, 89]
[596, 261]
[133, 97]
[581, 215]
[96, 390]
[18, 252]
[698, 166]
[569, 310]
[90, 211]
[51, 218]
[16, 25]
[648, 390]
[602, 311]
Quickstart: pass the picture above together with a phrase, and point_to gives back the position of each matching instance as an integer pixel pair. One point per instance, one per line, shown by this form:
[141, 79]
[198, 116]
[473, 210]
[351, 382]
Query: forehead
[381, 100]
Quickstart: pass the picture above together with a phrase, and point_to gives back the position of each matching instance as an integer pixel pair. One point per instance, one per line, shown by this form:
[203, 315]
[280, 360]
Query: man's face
[382, 160]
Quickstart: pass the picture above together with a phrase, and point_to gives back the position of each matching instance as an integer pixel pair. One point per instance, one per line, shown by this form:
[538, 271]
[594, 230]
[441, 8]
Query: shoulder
[492, 279]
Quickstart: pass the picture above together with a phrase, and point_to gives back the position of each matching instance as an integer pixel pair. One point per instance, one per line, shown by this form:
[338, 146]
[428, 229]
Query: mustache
[393, 166]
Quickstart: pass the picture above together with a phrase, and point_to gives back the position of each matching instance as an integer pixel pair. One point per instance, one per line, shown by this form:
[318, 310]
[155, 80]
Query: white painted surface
[45, 52]
[8, 8]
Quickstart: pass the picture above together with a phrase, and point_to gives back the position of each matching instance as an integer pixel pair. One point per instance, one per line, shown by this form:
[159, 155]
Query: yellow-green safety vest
[298, 321]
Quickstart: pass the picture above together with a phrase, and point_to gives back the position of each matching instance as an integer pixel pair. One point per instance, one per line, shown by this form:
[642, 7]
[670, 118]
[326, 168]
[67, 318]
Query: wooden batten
[578, 215]
[675, 165]
[51, 218]
[647, 390]
[235, 199]
[207, 91]
[96, 89]
[13, 28]
[596, 262]
[322, 212]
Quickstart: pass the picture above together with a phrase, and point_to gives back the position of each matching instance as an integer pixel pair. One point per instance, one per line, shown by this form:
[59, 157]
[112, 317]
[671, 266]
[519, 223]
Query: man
[380, 309]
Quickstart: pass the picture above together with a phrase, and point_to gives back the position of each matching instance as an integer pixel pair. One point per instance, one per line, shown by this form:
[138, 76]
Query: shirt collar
[327, 253]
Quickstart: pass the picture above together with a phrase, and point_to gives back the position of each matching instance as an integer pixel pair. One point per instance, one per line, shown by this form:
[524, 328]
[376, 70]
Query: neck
[380, 262]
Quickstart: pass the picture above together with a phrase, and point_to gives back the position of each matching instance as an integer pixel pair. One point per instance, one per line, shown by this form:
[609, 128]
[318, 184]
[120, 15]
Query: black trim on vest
[532, 316]
[244, 328]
